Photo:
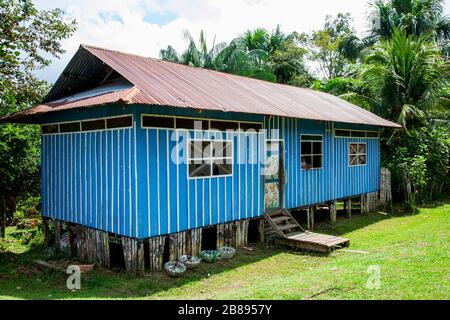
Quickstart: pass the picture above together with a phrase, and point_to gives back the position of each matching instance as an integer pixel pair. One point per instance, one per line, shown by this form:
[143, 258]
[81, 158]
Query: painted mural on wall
[272, 195]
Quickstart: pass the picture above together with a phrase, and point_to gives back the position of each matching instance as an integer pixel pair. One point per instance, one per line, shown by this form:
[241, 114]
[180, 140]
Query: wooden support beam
[311, 217]
[156, 251]
[220, 237]
[261, 230]
[70, 241]
[46, 232]
[349, 208]
[308, 222]
[140, 258]
[129, 246]
[333, 209]
[173, 241]
[57, 235]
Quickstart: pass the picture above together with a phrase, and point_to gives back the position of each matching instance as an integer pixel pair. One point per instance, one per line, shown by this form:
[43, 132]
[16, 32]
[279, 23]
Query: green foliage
[323, 46]
[27, 36]
[424, 155]
[274, 57]
[415, 17]
[409, 77]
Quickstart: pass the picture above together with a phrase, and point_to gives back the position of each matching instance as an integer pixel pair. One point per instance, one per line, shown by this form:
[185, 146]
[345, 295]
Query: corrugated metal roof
[169, 84]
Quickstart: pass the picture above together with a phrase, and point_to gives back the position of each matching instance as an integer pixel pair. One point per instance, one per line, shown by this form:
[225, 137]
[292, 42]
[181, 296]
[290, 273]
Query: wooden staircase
[289, 232]
[282, 223]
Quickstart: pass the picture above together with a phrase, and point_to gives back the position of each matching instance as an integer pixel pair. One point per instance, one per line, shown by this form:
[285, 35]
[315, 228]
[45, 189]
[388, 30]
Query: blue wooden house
[141, 150]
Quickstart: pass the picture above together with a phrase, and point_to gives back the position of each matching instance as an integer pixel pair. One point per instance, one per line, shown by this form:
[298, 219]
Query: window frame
[207, 120]
[350, 136]
[312, 154]
[209, 158]
[357, 154]
[86, 131]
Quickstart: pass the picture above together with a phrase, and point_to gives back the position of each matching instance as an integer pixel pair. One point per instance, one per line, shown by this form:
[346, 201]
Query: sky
[145, 26]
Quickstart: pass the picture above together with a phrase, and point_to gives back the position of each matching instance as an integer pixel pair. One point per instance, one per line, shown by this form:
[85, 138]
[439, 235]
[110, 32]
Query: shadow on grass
[20, 278]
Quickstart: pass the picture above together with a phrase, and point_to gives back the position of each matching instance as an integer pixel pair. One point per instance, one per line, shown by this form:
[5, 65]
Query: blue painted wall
[122, 180]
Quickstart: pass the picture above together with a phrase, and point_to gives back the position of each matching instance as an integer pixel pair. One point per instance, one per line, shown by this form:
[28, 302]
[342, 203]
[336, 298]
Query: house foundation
[92, 246]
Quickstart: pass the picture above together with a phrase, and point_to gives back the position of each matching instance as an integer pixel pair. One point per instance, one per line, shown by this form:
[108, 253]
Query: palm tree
[409, 77]
[196, 55]
[416, 17]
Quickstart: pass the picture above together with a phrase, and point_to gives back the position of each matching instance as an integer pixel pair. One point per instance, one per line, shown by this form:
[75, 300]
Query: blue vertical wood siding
[123, 180]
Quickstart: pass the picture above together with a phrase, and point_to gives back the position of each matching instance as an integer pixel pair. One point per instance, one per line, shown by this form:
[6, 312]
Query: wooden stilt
[220, 238]
[333, 209]
[46, 232]
[308, 216]
[173, 247]
[156, 251]
[57, 235]
[70, 241]
[311, 218]
[140, 258]
[261, 230]
[130, 254]
[349, 208]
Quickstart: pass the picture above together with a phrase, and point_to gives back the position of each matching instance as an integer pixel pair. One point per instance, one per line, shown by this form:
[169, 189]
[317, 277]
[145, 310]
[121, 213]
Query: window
[311, 152]
[191, 124]
[49, 128]
[158, 122]
[357, 154]
[372, 134]
[93, 125]
[246, 126]
[69, 127]
[209, 158]
[119, 122]
[342, 133]
[223, 125]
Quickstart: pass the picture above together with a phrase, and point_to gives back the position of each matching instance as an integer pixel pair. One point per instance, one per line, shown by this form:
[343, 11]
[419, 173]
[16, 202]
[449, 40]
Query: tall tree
[415, 17]
[288, 62]
[408, 76]
[27, 35]
[324, 46]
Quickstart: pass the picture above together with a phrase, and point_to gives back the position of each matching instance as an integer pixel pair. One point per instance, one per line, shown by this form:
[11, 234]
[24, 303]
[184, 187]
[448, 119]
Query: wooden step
[288, 226]
[274, 213]
[292, 234]
[281, 219]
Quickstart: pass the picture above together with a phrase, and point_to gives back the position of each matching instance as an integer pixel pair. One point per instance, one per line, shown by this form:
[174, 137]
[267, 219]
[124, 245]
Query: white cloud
[144, 27]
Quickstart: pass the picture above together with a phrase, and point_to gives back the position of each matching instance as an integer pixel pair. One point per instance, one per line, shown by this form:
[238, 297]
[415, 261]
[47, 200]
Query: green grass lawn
[411, 252]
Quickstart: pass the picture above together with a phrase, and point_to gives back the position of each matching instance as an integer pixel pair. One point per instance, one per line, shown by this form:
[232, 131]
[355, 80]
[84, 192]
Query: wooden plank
[349, 208]
[140, 257]
[303, 245]
[296, 233]
[288, 226]
[281, 219]
[274, 213]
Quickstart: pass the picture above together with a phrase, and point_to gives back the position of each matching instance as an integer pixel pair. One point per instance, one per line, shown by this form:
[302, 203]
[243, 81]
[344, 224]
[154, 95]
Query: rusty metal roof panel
[169, 84]
[27, 115]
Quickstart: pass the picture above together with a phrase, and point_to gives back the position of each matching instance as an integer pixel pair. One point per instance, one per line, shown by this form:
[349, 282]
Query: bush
[422, 157]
